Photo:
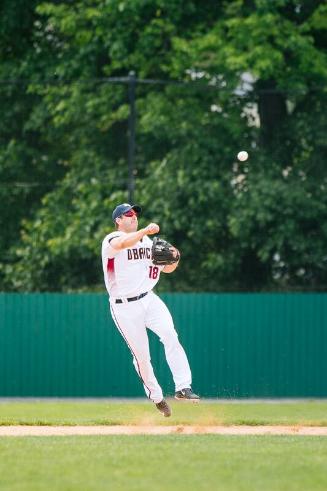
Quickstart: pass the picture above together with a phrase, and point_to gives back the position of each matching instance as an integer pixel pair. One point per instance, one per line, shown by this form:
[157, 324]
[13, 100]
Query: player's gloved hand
[163, 252]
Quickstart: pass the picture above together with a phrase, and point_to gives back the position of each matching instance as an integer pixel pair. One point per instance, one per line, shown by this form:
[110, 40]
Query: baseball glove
[162, 252]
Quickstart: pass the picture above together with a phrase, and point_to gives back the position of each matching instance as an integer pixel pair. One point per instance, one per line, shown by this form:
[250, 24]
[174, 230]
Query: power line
[40, 184]
[18, 184]
[148, 81]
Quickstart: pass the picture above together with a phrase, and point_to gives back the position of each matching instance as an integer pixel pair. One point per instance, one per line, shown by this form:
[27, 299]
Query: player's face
[128, 221]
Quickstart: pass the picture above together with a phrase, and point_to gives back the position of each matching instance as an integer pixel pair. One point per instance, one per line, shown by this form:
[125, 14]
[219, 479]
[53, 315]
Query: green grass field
[200, 462]
[108, 412]
[170, 462]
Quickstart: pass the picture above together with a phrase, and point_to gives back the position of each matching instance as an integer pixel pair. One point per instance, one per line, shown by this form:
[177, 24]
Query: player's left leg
[159, 320]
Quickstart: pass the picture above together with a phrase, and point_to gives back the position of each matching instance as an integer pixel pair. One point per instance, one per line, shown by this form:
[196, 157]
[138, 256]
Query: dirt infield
[161, 430]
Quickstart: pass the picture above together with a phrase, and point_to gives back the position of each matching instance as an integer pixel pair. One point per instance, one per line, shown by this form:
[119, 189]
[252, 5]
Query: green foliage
[255, 74]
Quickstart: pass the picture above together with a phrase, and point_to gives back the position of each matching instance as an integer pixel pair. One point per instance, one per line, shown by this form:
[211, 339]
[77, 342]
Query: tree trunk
[272, 111]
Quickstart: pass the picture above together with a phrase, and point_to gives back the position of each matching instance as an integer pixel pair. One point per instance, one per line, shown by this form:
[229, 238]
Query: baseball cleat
[186, 395]
[164, 408]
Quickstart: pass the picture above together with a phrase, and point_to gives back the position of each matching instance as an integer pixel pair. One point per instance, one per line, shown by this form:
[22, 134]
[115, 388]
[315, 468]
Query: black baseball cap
[123, 208]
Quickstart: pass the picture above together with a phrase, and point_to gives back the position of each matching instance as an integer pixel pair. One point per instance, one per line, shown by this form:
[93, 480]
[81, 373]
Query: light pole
[131, 135]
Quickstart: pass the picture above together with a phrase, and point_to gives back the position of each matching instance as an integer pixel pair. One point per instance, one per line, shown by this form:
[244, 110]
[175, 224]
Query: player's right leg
[129, 319]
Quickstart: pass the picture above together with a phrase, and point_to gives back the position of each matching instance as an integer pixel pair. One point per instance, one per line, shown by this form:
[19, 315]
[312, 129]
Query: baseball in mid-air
[242, 156]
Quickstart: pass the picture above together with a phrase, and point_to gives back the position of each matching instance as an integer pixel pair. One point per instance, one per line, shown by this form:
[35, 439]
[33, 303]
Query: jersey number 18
[154, 270]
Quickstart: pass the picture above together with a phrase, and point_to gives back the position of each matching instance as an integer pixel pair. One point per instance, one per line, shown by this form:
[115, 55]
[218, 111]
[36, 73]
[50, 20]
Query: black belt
[132, 299]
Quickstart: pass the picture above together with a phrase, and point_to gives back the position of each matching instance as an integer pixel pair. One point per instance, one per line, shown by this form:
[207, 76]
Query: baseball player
[130, 276]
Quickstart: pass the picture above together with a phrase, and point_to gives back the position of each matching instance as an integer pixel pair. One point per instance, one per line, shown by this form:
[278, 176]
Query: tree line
[213, 78]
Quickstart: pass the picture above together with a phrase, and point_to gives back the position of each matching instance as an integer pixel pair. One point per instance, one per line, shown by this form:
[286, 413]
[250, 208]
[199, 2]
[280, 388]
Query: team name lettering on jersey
[141, 253]
[128, 274]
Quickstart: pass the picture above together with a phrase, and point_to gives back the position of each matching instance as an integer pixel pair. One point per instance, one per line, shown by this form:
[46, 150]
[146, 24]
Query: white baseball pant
[132, 320]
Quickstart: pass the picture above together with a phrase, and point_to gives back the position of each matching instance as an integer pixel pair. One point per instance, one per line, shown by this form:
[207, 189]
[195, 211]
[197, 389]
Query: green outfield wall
[239, 345]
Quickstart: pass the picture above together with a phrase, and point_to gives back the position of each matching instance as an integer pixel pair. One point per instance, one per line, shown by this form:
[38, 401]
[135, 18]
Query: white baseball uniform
[130, 276]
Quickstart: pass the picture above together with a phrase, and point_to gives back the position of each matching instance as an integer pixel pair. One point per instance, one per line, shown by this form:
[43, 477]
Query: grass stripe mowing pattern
[181, 463]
